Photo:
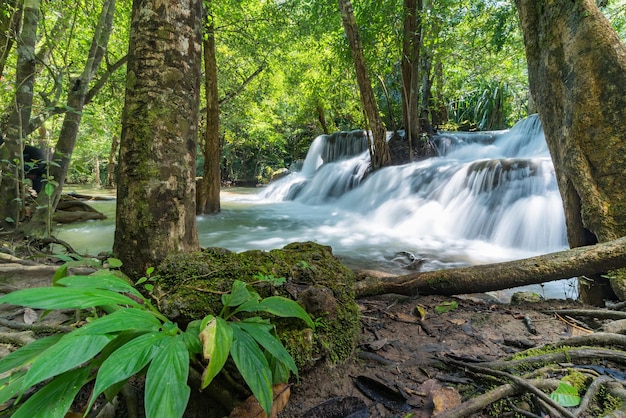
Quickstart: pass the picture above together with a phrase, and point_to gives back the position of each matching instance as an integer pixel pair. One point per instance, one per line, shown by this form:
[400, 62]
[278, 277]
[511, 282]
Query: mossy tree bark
[15, 127]
[156, 205]
[577, 77]
[208, 195]
[379, 153]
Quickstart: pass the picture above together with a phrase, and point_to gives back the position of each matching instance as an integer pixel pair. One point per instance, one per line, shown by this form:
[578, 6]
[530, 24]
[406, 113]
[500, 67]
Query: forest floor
[402, 366]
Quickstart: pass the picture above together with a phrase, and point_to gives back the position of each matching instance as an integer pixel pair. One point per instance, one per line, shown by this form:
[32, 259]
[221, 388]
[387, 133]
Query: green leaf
[253, 367]
[60, 273]
[65, 298]
[69, 352]
[105, 282]
[446, 307]
[238, 295]
[48, 189]
[114, 262]
[216, 338]
[269, 343]
[55, 398]
[166, 392]
[565, 395]
[283, 307]
[127, 361]
[129, 319]
[28, 353]
[11, 386]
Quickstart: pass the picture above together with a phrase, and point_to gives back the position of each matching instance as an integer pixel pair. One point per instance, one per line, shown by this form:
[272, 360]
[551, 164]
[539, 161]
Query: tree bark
[11, 160]
[577, 77]
[156, 207]
[64, 148]
[380, 155]
[208, 196]
[10, 20]
[579, 261]
[411, 47]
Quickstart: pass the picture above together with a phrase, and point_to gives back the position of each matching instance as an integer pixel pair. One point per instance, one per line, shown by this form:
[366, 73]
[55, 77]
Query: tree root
[593, 351]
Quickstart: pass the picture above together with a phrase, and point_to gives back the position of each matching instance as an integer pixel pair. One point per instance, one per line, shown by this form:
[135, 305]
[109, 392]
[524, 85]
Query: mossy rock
[189, 286]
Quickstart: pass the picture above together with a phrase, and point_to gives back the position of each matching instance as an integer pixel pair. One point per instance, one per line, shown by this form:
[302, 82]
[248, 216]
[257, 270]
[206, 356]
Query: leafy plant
[565, 395]
[128, 336]
[258, 354]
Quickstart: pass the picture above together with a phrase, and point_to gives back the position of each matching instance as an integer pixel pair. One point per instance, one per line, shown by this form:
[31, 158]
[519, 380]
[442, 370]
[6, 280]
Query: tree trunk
[380, 154]
[411, 46]
[110, 180]
[577, 77]
[156, 208]
[208, 196]
[579, 261]
[11, 161]
[10, 20]
[71, 121]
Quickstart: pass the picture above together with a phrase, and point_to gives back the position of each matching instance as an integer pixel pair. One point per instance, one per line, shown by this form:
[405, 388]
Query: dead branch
[575, 262]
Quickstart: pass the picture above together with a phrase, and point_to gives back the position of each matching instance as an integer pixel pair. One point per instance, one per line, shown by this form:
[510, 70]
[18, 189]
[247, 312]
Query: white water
[490, 197]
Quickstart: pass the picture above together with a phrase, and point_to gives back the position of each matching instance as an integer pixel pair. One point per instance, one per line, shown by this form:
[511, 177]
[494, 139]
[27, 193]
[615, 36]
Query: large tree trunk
[579, 261]
[208, 196]
[156, 208]
[380, 155]
[76, 98]
[577, 77]
[411, 46]
[11, 164]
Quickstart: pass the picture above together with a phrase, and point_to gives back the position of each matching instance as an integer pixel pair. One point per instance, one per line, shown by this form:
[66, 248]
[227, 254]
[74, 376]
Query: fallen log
[580, 261]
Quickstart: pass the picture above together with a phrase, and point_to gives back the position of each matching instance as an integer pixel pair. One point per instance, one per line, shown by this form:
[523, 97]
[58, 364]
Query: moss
[577, 379]
[189, 286]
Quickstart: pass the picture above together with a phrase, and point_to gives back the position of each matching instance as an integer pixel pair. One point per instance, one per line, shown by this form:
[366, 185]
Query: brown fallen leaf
[378, 344]
[445, 399]
[250, 408]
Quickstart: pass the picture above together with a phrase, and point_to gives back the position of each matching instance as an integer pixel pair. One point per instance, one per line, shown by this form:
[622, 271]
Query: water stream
[488, 197]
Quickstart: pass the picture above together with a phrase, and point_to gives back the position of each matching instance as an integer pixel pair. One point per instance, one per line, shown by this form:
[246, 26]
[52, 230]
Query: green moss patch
[190, 286]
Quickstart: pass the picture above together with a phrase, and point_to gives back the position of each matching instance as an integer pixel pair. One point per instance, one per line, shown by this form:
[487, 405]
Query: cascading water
[496, 187]
[488, 197]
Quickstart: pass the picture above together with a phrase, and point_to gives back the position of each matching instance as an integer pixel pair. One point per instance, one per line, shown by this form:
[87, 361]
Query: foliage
[126, 336]
[258, 354]
[565, 395]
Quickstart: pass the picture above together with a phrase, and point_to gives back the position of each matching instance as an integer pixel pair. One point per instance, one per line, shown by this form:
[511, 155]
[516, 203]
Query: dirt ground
[401, 351]
[398, 359]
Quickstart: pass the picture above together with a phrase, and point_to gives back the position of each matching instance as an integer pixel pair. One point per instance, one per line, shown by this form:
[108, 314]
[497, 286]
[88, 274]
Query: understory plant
[125, 335]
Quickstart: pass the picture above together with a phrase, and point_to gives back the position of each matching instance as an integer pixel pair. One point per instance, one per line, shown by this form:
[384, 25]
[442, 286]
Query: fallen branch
[575, 262]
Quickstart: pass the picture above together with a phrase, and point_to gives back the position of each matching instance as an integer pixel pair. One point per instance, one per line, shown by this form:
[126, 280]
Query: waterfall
[498, 187]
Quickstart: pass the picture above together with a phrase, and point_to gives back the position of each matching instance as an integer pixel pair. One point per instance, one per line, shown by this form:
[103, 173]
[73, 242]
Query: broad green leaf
[121, 320]
[253, 367]
[269, 343]
[11, 386]
[251, 305]
[108, 281]
[69, 352]
[216, 338]
[283, 307]
[127, 361]
[565, 395]
[55, 398]
[28, 353]
[192, 341]
[166, 392]
[238, 295]
[65, 298]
